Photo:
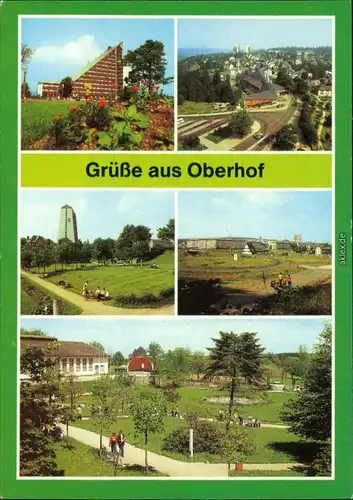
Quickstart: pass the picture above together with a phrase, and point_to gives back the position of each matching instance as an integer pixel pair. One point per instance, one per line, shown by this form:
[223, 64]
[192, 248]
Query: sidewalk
[175, 468]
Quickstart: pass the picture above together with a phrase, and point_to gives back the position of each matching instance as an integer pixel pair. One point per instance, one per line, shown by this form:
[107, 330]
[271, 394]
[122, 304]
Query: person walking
[241, 420]
[289, 280]
[121, 443]
[280, 278]
[113, 442]
[79, 413]
[85, 290]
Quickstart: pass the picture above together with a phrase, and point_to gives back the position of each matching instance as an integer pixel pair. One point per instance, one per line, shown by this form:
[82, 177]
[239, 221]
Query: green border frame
[341, 486]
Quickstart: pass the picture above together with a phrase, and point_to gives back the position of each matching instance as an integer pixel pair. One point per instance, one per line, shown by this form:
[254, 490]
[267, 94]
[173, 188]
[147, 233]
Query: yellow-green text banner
[173, 170]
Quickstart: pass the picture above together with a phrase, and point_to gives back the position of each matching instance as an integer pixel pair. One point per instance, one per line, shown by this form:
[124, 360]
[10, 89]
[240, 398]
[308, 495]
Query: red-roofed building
[140, 367]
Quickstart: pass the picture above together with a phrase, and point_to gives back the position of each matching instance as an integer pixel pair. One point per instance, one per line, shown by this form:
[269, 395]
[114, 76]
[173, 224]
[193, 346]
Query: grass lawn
[195, 108]
[246, 272]
[32, 294]
[192, 399]
[37, 118]
[272, 445]
[78, 459]
[266, 473]
[123, 280]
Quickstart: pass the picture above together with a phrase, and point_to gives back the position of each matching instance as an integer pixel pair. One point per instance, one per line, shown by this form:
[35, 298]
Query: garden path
[176, 468]
[92, 307]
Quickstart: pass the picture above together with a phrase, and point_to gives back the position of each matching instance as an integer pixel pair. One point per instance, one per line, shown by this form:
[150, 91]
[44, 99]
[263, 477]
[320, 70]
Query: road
[92, 307]
[270, 122]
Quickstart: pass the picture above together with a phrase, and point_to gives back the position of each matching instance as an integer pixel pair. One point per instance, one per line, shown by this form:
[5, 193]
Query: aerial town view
[97, 253]
[97, 84]
[258, 85]
[209, 399]
[254, 252]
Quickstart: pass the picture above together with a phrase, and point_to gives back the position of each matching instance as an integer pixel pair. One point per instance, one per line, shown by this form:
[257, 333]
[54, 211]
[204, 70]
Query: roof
[63, 349]
[257, 246]
[66, 206]
[267, 94]
[90, 65]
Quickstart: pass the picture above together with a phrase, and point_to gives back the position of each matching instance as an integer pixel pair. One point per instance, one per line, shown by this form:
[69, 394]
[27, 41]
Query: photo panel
[97, 252]
[257, 84]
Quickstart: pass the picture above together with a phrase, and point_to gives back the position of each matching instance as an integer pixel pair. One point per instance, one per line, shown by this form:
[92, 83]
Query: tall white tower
[246, 48]
[67, 224]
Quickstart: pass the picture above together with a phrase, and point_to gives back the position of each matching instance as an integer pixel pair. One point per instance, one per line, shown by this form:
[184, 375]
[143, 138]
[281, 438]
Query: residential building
[73, 358]
[106, 75]
[324, 249]
[68, 224]
[277, 245]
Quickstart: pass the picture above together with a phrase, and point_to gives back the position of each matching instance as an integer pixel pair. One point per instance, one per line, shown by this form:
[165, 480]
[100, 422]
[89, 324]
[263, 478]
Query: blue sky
[254, 213]
[277, 335]
[258, 33]
[64, 46]
[99, 213]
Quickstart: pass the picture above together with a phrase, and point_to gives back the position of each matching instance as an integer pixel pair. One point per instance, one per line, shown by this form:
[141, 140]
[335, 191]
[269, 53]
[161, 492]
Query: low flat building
[73, 358]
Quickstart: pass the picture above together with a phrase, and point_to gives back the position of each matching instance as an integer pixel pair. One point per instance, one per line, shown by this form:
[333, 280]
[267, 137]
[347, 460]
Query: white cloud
[79, 51]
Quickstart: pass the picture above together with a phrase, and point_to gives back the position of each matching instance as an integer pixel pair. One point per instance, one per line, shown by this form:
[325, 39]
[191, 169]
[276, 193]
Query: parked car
[180, 120]
[258, 135]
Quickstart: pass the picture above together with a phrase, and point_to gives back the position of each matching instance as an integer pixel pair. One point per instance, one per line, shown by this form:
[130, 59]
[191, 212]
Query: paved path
[176, 468]
[92, 307]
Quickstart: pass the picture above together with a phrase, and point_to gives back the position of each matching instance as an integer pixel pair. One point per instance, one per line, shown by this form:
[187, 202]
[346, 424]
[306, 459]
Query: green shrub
[207, 439]
[132, 300]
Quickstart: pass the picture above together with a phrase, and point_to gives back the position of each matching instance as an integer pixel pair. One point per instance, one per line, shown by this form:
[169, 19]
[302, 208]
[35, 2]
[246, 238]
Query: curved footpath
[176, 468]
[91, 306]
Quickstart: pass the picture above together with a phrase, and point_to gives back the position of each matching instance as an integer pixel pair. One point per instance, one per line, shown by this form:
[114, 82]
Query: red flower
[134, 127]
[58, 118]
[89, 99]
[73, 108]
[135, 88]
[101, 102]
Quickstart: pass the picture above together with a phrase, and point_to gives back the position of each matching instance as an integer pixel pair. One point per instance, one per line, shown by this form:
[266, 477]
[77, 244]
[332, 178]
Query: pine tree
[237, 356]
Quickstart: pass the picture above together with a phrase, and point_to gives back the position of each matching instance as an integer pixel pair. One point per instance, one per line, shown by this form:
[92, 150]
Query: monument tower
[67, 224]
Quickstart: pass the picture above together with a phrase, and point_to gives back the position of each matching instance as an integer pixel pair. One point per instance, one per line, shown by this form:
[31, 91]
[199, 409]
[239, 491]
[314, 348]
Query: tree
[140, 351]
[198, 363]
[238, 357]
[235, 445]
[97, 345]
[25, 90]
[166, 233]
[241, 123]
[36, 331]
[129, 242]
[177, 365]
[148, 62]
[117, 359]
[156, 355]
[105, 397]
[39, 413]
[66, 87]
[285, 139]
[26, 56]
[301, 86]
[285, 80]
[71, 390]
[148, 411]
[309, 416]
[191, 143]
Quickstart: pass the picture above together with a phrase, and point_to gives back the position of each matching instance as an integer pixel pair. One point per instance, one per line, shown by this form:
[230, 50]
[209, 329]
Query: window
[71, 364]
[90, 364]
[102, 368]
[78, 364]
[64, 364]
[84, 364]
[142, 366]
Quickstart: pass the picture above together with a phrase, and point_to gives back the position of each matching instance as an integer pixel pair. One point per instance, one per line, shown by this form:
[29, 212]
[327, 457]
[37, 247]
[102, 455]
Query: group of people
[284, 279]
[99, 294]
[117, 443]
[250, 422]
